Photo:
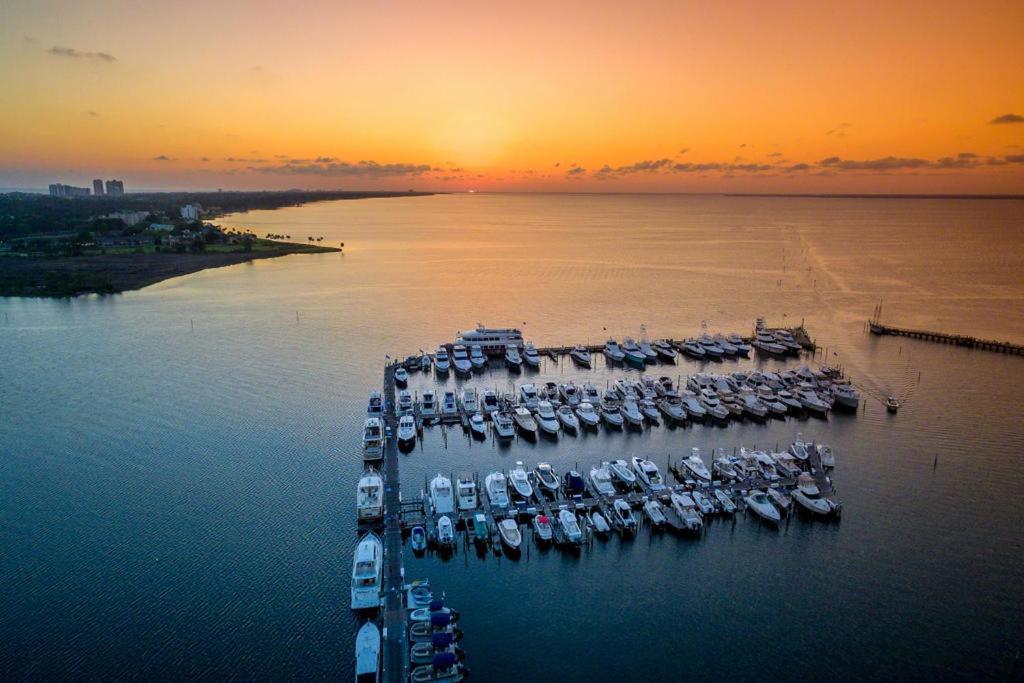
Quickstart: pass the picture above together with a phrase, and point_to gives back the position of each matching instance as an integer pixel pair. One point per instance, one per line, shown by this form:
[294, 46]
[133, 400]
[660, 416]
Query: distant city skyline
[657, 96]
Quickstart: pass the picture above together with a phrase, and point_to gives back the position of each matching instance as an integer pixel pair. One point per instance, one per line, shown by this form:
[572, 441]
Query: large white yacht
[648, 473]
[460, 359]
[470, 400]
[512, 358]
[406, 431]
[441, 498]
[367, 566]
[466, 492]
[368, 653]
[375, 405]
[497, 489]
[695, 464]
[428, 404]
[808, 496]
[528, 396]
[520, 481]
[612, 351]
[373, 439]
[492, 340]
[601, 480]
[441, 362]
[370, 496]
[530, 355]
[546, 418]
[476, 357]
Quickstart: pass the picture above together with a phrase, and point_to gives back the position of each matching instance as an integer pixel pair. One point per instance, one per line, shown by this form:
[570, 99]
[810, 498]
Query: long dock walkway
[396, 643]
[945, 338]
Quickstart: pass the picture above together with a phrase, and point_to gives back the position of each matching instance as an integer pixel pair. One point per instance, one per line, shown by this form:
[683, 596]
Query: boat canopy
[442, 640]
[444, 660]
[440, 618]
[436, 604]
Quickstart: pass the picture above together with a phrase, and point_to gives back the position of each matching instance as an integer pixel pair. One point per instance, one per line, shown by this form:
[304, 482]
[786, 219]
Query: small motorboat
[524, 421]
[489, 401]
[762, 506]
[648, 474]
[580, 355]
[686, 509]
[406, 431]
[428, 404]
[424, 652]
[781, 500]
[665, 350]
[631, 412]
[611, 415]
[469, 400]
[465, 492]
[649, 410]
[530, 355]
[590, 394]
[826, 455]
[528, 396]
[601, 480]
[441, 361]
[599, 523]
[547, 479]
[436, 607]
[695, 465]
[569, 394]
[724, 467]
[725, 502]
[704, 503]
[546, 418]
[504, 425]
[418, 539]
[424, 631]
[496, 487]
[481, 534]
[570, 526]
[808, 496]
[520, 481]
[442, 500]
[425, 362]
[574, 484]
[624, 515]
[511, 536]
[401, 377]
[370, 496]
[445, 531]
[800, 448]
[622, 473]
[375, 405]
[477, 358]
[406, 405]
[449, 407]
[477, 426]
[612, 352]
[412, 363]
[445, 668]
[672, 409]
[368, 653]
[652, 509]
[569, 421]
[892, 404]
[587, 415]
[460, 360]
[542, 529]
[632, 352]
[373, 439]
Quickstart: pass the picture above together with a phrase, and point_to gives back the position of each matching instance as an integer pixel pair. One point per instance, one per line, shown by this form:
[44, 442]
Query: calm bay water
[178, 464]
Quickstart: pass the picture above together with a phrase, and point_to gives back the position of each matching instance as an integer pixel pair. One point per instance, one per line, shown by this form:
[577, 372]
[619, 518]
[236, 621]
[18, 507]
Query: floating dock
[945, 338]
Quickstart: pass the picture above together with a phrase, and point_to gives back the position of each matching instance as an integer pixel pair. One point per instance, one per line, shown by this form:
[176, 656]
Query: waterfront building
[97, 187]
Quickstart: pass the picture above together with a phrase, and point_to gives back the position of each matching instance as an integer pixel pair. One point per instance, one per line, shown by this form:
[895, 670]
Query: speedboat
[426, 652]
[570, 526]
[373, 439]
[611, 416]
[477, 426]
[574, 484]
[786, 465]
[726, 346]
[601, 480]
[406, 405]
[530, 355]
[826, 455]
[846, 396]
[465, 491]
[520, 481]
[497, 489]
[370, 496]
[435, 608]
[620, 472]
[742, 347]
[470, 401]
[546, 477]
[368, 653]
[428, 404]
[694, 408]
[587, 415]
[691, 347]
[724, 468]
[481, 533]
[528, 396]
[766, 464]
[489, 401]
[375, 405]
[367, 567]
[525, 422]
[418, 594]
[442, 501]
[725, 502]
[424, 631]
[441, 361]
[686, 509]
[504, 425]
[580, 355]
[648, 474]
[418, 539]
[511, 536]
[542, 528]
[476, 357]
[703, 503]
[767, 344]
[569, 393]
[649, 410]
[800, 448]
[650, 354]
[791, 402]
[599, 523]
[612, 352]
[445, 531]
[652, 509]
[892, 404]
[711, 348]
[512, 358]
[401, 377]
[425, 362]
[546, 418]
[631, 412]
[781, 500]
[665, 350]
[449, 406]
[809, 497]
[810, 400]
[633, 353]
[624, 515]
[762, 506]
[444, 668]
[672, 409]
[406, 431]
[696, 465]
[460, 360]
[590, 394]
[568, 418]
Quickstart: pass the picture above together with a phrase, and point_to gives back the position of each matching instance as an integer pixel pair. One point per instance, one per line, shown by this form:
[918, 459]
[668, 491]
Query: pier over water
[395, 638]
[946, 338]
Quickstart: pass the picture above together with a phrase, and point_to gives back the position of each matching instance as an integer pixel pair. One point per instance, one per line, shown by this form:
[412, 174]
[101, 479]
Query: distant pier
[946, 338]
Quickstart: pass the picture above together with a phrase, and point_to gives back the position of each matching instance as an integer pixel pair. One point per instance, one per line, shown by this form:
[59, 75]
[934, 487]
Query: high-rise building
[61, 190]
[190, 212]
[97, 187]
[115, 188]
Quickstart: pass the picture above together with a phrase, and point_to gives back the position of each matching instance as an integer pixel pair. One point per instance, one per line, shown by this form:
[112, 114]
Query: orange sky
[763, 97]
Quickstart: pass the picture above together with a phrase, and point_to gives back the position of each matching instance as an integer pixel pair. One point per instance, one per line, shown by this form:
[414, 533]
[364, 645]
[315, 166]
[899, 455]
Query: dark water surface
[178, 501]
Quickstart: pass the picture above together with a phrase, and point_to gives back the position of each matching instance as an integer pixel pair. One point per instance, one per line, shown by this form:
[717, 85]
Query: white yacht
[546, 477]
[441, 361]
[611, 415]
[546, 418]
[713, 406]
[727, 347]
[406, 405]
[367, 567]
[512, 358]
[809, 497]
[652, 509]
[524, 420]
[570, 526]
[632, 352]
[665, 350]
[570, 393]
[373, 439]
[811, 401]
[542, 528]
[691, 347]
[504, 425]
[406, 431]
[530, 355]
[601, 480]
[477, 357]
[621, 472]
[631, 412]
[591, 394]
[520, 481]
[599, 523]
[375, 405]
[724, 468]
[370, 496]
[711, 348]
[587, 415]
[612, 352]
[624, 514]
[528, 396]
[442, 500]
[648, 474]
[846, 396]
[425, 362]
[762, 506]
[489, 402]
[826, 454]
[580, 355]
[649, 409]
[460, 359]
[704, 503]
[496, 487]
[491, 340]
[696, 466]
[568, 418]
[672, 409]
[401, 377]
[686, 509]
[368, 653]
[800, 449]
[465, 492]
[511, 536]
[449, 406]
[725, 502]
[470, 400]
[428, 404]
[477, 426]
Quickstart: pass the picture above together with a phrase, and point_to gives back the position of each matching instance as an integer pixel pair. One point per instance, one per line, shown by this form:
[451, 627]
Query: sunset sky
[572, 96]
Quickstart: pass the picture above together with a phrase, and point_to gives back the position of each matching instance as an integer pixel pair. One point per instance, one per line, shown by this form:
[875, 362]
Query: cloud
[324, 160]
[576, 171]
[882, 164]
[1015, 158]
[1007, 118]
[683, 151]
[204, 159]
[91, 113]
[646, 166]
[245, 160]
[371, 169]
[558, 164]
[775, 154]
[798, 167]
[840, 130]
[76, 54]
[967, 155]
[162, 157]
